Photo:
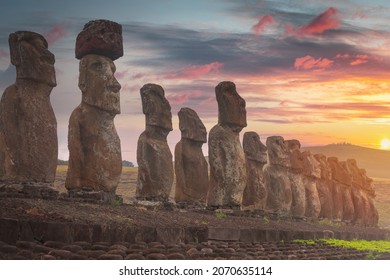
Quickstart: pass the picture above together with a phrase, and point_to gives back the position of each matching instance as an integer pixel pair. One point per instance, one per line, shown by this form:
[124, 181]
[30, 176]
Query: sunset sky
[313, 70]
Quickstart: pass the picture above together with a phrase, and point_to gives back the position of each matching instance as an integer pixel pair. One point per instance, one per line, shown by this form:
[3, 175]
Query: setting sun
[385, 144]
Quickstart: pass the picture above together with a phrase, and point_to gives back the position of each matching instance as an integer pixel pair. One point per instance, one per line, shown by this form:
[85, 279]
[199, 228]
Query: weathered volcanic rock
[359, 199]
[101, 37]
[348, 208]
[255, 192]
[312, 173]
[192, 179]
[155, 166]
[28, 127]
[324, 188]
[373, 216]
[276, 173]
[226, 156]
[295, 173]
[95, 161]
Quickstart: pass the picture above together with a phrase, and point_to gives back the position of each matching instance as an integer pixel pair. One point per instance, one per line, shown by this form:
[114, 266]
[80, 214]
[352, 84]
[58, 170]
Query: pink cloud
[308, 62]
[195, 71]
[265, 20]
[181, 98]
[360, 59]
[355, 60]
[327, 20]
[57, 32]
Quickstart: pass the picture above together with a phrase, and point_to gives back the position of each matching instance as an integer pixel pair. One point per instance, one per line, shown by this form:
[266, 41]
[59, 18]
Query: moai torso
[295, 174]
[28, 127]
[155, 165]
[255, 192]
[312, 173]
[359, 198]
[278, 182]
[226, 156]
[192, 179]
[95, 161]
[324, 188]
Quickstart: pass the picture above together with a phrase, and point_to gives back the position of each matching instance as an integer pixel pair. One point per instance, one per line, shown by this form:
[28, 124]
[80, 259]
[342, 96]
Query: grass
[220, 215]
[374, 247]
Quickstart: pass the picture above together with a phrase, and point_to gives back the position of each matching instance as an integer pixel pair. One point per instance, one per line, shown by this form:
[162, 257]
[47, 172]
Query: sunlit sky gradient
[313, 70]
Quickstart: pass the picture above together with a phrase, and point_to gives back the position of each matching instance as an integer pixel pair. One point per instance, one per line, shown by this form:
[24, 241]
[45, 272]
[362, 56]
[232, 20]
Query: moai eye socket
[97, 66]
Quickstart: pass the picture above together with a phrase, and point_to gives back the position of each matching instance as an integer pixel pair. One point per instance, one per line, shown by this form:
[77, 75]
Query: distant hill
[376, 162]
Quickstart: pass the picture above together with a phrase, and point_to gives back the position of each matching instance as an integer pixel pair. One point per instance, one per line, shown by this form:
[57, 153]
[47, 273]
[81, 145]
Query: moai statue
[191, 168]
[349, 209]
[226, 156]
[155, 165]
[311, 172]
[28, 127]
[295, 174]
[342, 197]
[324, 188]
[95, 161]
[368, 188]
[278, 183]
[359, 198]
[255, 192]
[334, 166]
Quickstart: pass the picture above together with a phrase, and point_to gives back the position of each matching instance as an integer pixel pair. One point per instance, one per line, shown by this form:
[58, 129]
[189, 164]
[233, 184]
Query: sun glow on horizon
[385, 144]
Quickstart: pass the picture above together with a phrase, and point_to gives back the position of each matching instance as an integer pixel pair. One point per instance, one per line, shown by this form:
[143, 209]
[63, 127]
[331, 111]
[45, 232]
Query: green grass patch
[220, 215]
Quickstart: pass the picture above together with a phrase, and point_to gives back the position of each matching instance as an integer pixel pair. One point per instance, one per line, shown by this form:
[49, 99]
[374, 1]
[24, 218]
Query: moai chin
[28, 127]
[191, 167]
[226, 156]
[324, 188]
[311, 173]
[95, 161]
[255, 192]
[295, 174]
[155, 166]
[278, 182]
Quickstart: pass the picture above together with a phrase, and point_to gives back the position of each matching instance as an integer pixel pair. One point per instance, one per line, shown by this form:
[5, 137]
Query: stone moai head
[367, 182]
[312, 167]
[357, 177]
[253, 148]
[156, 107]
[97, 46]
[231, 106]
[31, 57]
[191, 126]
[278, 153]
[326, 172]
[295, 155]
[339, 173]
[98, 84]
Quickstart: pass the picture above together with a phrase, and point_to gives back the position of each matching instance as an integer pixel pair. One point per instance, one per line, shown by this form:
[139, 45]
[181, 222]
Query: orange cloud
[308, 62]
[265, 20]
[195, 71]
[57, 32]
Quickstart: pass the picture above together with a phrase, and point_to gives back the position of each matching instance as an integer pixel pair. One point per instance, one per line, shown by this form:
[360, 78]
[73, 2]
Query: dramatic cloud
[262, 24]
[57, 32]
[327, 20]
[308, 62]
[360, 59]
[195, 71]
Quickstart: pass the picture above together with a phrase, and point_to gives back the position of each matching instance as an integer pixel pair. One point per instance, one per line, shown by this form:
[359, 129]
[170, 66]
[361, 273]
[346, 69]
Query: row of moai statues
[274, 177]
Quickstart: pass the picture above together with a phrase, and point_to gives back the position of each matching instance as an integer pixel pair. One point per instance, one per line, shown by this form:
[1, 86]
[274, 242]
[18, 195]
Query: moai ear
[82, 75]
[14, 49]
